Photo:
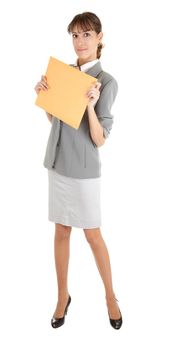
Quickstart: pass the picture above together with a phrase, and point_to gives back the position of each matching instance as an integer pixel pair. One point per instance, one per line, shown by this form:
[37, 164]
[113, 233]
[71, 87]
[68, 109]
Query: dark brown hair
[87, 21]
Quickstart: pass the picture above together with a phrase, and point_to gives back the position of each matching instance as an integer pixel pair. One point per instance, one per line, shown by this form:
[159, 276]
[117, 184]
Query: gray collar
[95, 70]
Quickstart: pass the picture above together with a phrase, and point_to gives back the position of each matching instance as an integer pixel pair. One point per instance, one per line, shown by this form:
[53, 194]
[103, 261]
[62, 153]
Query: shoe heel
[57, 322]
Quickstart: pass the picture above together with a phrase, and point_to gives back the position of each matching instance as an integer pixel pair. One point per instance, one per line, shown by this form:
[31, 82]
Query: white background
[141, 175]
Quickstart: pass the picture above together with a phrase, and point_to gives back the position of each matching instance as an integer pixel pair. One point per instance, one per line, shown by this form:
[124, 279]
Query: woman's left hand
[94, 94]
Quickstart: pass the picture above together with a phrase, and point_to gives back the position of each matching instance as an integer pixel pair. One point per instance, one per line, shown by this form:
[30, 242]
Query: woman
[73, 163]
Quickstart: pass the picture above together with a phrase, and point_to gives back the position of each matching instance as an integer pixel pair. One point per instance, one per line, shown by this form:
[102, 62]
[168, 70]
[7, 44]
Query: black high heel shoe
[116, 323]
[57, 322]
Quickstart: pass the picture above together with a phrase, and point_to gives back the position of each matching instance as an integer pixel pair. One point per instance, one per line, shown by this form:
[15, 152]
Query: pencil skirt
[74, 202]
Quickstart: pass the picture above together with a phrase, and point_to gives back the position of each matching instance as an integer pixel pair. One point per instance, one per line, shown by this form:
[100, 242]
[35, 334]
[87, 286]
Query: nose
[80, 42]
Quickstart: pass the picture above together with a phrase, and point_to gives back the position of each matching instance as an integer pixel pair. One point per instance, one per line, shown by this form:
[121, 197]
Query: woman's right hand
[42, 84]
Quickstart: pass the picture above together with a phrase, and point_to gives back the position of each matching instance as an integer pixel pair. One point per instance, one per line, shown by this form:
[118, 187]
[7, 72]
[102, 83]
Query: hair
[87, 21]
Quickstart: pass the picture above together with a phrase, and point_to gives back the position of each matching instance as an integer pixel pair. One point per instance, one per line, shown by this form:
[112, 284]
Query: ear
[100, 36]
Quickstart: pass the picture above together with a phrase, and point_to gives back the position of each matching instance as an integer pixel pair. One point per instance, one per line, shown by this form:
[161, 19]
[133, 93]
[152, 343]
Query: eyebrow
[81, 32]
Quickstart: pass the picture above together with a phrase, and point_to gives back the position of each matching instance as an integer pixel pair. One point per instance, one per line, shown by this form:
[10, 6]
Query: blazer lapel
[95, 70]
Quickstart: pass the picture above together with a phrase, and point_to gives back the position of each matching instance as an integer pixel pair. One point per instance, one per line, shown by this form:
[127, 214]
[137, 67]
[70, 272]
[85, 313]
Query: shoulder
[108, 80]
[108, 83]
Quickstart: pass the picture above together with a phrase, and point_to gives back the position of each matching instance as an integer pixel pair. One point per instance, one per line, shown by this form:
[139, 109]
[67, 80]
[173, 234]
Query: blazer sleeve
[104, 105]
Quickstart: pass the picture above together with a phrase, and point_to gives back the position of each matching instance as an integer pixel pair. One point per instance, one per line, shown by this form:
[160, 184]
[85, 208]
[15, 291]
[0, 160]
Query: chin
[82, 55]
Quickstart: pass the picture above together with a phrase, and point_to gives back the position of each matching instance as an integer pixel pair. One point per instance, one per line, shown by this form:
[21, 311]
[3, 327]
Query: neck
[81, 61]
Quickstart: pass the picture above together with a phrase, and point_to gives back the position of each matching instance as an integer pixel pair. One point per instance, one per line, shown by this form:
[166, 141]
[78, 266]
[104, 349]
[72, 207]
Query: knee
[93, 236]
[62, 231]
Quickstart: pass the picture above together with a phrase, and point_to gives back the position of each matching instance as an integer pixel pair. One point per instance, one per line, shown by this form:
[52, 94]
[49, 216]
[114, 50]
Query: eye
[86, 34]
[74, 35]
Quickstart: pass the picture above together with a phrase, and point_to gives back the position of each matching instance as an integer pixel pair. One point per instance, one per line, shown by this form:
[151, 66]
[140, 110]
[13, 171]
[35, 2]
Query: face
[85, 44]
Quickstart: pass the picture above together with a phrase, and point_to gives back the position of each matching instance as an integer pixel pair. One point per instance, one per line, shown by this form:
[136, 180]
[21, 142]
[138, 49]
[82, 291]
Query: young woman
[74, 167]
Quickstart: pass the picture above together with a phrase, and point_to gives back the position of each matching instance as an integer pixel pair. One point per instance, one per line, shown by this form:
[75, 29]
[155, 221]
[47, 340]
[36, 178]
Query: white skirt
[74, 202]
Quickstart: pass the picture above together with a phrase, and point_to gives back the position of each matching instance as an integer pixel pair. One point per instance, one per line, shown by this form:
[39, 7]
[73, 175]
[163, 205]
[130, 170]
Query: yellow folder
[66, 98]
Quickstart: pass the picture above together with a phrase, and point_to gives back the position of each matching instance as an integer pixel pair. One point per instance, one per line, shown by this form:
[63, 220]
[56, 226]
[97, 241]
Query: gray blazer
[72, 152]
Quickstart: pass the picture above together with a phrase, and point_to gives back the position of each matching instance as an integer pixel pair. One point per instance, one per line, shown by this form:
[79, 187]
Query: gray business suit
[72, 152]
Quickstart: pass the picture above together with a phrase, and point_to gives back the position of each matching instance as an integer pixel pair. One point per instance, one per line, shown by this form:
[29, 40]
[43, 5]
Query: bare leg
[61, 251]
[101, 256]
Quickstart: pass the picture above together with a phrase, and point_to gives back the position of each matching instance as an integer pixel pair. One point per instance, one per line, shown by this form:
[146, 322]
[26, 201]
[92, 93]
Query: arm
[42, 85]
[96, 130]
[104, 105]
[100, 116]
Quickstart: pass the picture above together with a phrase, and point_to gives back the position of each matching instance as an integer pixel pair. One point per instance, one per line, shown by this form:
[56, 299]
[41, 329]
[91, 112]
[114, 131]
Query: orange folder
[66, 98]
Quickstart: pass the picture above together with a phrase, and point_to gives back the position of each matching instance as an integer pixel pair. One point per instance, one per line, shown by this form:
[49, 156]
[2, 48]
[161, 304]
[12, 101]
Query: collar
[94, 70]
[84, 67]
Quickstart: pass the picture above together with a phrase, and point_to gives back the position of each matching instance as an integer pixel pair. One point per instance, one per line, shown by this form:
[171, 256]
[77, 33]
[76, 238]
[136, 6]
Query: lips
[81, 49]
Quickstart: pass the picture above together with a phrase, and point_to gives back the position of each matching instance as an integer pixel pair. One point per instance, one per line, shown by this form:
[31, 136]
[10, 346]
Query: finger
[91, 93]
[94, 90]
[44, 83]
[98, 85]
[93, 97]
[43, 86]
[44, 80]
[43, 77]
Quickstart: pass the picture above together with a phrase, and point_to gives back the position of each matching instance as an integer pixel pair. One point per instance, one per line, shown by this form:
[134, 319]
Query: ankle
[110, 295]
[110, 298]
[63, 295]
